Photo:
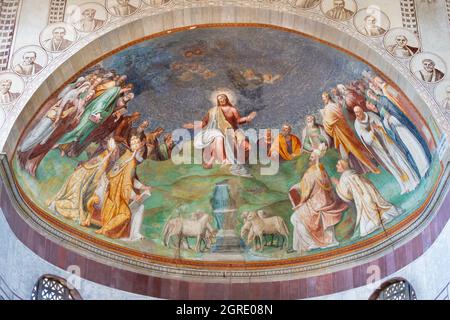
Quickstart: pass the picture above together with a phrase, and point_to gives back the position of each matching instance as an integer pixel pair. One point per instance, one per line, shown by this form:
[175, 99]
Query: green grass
[182, 189]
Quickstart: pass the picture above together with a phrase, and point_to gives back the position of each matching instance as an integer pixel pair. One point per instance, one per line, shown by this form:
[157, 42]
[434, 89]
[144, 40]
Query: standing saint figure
[88, 22]
[372, 210]
[165, 148]
[313, 135]
[78, 98]
[123, 188]
[403, 132]
[72, 199]
[64, 113]
[100, 135]
[350, 99]
[220, 134]
[122, 133]
[152, 144]
[318, 209]
[344, 139]
[402, 104]
[370, 130]
[28, 67]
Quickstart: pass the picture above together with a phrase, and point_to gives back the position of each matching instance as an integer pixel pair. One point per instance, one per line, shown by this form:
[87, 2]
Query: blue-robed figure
[401, 130]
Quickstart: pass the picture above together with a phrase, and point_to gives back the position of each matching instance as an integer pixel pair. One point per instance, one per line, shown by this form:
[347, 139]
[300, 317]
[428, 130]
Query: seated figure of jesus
[220, 136]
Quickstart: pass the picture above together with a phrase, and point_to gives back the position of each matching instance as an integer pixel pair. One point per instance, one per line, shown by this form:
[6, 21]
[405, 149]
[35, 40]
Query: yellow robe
[336, 126]
[71, 200]
[116, 213]
[280, 146]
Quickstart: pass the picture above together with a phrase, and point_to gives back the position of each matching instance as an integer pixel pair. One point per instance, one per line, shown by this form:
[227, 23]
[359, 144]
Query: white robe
[374, 137]
[372, 31]
[372, 210]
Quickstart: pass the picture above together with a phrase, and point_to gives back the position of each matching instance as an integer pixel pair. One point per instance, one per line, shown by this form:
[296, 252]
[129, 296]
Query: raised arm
[118, 137]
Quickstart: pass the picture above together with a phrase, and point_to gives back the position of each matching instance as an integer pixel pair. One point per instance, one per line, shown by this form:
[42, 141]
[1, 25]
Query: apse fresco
[229, 143]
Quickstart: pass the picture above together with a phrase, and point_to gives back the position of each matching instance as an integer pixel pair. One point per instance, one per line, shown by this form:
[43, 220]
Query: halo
[230, 94]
